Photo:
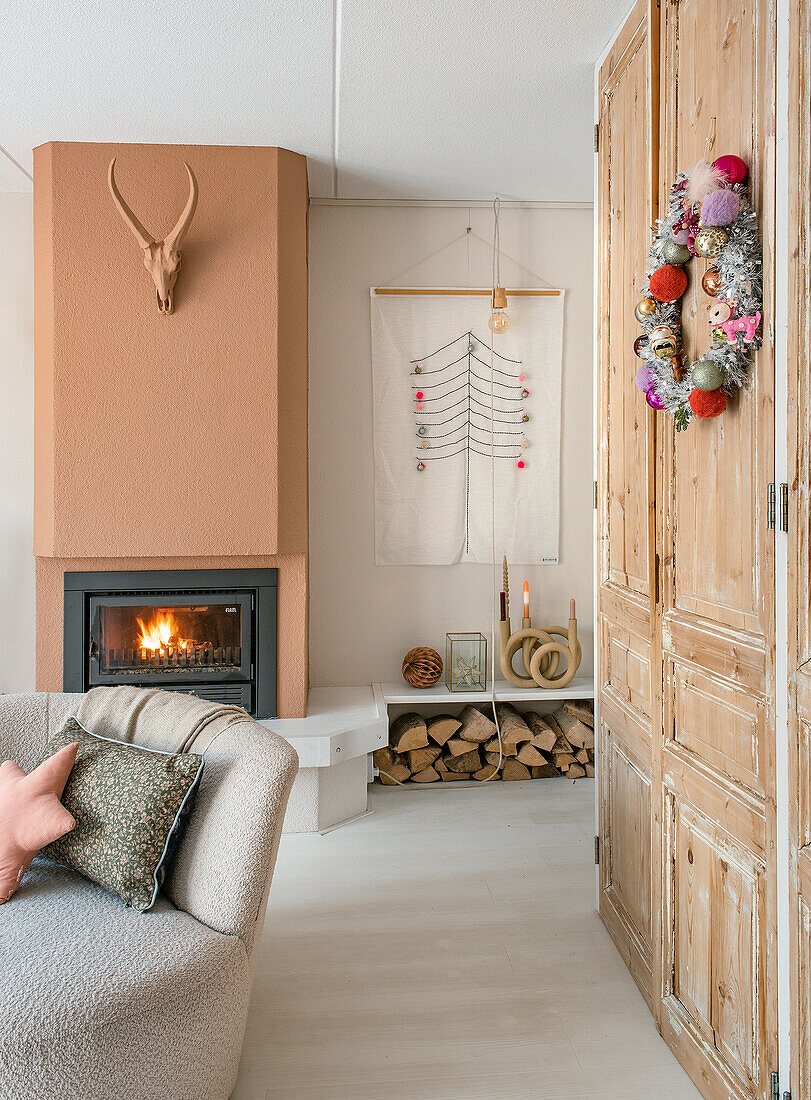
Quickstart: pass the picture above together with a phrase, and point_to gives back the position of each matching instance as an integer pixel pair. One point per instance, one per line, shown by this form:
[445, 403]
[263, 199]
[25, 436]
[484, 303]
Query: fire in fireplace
[208, 632]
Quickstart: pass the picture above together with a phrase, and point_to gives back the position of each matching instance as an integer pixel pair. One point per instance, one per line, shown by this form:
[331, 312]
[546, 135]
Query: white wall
[364, 617]
[16, 444]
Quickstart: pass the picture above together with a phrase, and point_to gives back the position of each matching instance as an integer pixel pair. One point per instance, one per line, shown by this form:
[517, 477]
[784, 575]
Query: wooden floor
[446, 948]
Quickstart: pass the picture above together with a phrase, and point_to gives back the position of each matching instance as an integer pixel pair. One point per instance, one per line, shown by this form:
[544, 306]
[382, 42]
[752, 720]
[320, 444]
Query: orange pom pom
[668, 283]
[707, 403]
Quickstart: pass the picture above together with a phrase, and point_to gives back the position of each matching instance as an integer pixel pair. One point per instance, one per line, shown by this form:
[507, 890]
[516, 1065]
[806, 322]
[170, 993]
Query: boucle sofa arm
[222, 871]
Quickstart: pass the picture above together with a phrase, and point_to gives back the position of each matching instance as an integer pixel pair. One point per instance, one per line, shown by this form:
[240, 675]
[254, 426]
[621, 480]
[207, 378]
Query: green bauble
[707, 375]
[709, 242]
[675, 253]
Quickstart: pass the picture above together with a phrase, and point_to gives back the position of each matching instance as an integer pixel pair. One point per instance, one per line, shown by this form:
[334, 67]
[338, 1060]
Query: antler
[174, 239]
[142, 235]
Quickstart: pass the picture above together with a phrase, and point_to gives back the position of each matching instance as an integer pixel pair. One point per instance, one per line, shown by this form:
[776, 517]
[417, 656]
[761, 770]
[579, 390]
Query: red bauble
[668, 283]
[733, 168]
[707, 404]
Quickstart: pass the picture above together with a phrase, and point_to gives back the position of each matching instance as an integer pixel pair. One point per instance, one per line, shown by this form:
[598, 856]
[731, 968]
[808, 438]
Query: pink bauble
[680, 236]
[644, 379]
[720, 207]
[733, 168]
[654, 400]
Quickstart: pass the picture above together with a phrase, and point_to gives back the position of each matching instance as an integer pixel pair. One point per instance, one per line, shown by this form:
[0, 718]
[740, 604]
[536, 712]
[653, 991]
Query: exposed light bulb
[499, 320]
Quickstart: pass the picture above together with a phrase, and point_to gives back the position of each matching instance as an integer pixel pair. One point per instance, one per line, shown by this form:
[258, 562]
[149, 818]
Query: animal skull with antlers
[161, 258]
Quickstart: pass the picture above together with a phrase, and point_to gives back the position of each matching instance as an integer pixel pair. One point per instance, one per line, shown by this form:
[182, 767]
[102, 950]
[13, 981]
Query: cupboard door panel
[626, 506]
[713, 770]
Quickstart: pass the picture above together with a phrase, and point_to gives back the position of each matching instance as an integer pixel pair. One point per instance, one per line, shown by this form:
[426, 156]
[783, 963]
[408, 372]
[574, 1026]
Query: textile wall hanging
[431, 356]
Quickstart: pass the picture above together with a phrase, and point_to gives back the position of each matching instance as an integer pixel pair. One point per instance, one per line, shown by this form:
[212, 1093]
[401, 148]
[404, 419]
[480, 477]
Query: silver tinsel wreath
[740, 265]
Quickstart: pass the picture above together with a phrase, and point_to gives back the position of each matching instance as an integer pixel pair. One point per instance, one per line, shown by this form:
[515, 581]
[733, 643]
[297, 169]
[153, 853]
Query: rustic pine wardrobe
[704, 639]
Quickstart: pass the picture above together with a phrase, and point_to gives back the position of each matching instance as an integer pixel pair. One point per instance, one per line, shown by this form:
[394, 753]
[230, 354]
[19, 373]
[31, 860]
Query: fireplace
[210, 633]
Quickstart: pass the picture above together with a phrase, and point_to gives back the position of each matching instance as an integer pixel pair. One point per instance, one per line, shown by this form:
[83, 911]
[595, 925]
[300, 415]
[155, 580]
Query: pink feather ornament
[703, 179]
[680, 236]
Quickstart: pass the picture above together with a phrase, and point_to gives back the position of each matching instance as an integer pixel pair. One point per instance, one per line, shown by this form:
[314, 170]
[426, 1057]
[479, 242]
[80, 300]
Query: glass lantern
[466, 661]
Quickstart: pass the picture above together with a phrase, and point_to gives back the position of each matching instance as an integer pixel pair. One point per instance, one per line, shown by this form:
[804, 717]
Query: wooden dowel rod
[463, 292]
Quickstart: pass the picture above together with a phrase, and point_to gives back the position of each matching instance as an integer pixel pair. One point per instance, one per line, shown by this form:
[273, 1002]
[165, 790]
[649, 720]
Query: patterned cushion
[130, 804]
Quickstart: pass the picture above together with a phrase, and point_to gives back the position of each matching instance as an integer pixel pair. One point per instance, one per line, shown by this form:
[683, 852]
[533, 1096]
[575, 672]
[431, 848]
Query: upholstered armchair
[101, 1002]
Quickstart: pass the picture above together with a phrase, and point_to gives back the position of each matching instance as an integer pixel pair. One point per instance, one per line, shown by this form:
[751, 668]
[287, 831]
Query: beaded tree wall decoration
[454, 408]
[436, 425]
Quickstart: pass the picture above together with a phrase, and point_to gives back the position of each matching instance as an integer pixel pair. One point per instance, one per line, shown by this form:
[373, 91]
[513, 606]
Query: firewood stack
[445, 748]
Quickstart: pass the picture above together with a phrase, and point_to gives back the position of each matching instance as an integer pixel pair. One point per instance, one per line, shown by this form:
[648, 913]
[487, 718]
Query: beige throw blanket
[157, 719]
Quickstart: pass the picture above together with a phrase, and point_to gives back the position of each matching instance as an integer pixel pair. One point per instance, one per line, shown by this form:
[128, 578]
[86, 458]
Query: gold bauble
[645, 308]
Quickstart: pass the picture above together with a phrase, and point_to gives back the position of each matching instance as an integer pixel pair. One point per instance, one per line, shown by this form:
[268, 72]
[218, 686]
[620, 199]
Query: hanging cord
[430, 256]
[494, 584]
[496, 280]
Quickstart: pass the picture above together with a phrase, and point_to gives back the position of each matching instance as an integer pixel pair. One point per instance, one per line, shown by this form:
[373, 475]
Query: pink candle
[571, 610]
[526, 599]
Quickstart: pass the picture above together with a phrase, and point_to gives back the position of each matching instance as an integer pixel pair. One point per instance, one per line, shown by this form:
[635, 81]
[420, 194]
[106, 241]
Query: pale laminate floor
[447, 948]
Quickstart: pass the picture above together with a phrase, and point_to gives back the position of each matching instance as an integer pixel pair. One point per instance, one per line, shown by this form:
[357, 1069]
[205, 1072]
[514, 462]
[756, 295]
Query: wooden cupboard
[686, 682]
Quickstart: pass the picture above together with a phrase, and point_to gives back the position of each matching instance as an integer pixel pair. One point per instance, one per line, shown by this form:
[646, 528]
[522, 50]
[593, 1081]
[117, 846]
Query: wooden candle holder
[540, 653]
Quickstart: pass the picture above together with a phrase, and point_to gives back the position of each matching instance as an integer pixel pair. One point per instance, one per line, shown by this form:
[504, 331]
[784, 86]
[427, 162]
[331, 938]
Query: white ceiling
[388, 99]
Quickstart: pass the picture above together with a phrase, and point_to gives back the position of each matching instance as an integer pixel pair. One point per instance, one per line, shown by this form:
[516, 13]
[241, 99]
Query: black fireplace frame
[256, 684]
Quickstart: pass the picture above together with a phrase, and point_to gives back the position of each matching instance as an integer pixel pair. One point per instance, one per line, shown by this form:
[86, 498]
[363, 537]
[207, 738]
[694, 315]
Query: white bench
[343, 725]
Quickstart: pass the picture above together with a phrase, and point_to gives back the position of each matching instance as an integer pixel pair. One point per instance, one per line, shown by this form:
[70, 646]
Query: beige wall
[16, 444]
[364, 617]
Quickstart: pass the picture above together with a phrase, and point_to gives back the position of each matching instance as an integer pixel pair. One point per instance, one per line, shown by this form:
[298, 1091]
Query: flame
[161, 632]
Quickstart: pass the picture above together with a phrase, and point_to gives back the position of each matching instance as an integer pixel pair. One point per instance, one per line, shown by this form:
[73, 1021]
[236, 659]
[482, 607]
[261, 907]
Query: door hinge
[597, 851]
[783, 506]
[771, 518]
[595, 494]
[775, 1090]
[596, 137]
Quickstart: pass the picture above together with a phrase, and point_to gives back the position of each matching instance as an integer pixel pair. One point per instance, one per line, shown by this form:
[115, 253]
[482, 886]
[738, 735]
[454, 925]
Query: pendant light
[499, 319]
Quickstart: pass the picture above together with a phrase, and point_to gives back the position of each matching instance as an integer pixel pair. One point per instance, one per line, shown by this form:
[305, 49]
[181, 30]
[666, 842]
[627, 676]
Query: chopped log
[543, 736]
[385, 758]
[589, 770]
[450, 777]
[420, 759]
[514, 729]
[397, 773]
[487, 773]
[588, 740]
[476, 727]
[468, 762]
[576, 771]
[529, 755]
[492, 758]
[427, 775]
[551, 721]
[442, 727]
[507, 750]
[582, 711]
[408, 732]
[582, 756]
[545, 771]
[563, 760]
[457, 747]
[514, 770]
[572, 728]
[562, 745]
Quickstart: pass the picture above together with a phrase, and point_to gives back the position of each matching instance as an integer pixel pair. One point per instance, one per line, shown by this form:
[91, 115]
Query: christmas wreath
[710, 216]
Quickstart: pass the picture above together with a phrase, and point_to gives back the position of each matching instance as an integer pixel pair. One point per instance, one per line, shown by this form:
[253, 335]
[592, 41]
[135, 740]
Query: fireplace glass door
[144, 639]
